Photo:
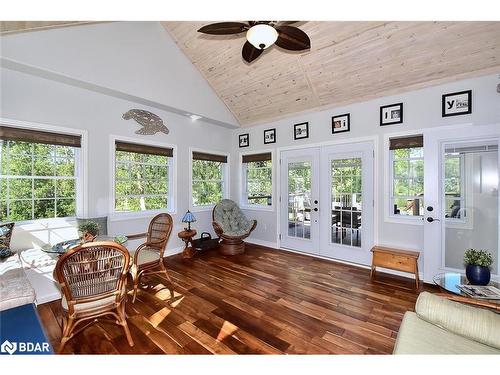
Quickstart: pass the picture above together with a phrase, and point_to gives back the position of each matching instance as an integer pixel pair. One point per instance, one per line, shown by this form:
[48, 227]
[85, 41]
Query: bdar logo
[8, 347]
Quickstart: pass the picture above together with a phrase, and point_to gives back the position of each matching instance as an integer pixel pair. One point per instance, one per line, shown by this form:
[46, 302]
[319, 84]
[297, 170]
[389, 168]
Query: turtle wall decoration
[151, 123]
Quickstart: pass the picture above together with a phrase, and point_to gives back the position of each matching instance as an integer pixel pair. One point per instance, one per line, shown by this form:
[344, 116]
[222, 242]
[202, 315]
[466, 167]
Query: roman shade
[8, 133]
[406, 142]
[209, 157]
[144, 149]
[266, 156]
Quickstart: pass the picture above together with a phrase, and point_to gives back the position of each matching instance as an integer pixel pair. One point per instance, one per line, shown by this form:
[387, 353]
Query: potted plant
[89, 230]
[478, 264]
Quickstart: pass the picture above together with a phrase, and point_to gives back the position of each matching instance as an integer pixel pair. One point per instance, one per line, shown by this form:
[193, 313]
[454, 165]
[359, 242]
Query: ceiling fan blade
[250, 53]
[286, 23]
[224, 28]
[292, 38]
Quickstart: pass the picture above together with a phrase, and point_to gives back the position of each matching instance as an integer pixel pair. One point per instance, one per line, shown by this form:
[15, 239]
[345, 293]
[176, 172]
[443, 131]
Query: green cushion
[232, 220]
[471, 322]
[416, 336]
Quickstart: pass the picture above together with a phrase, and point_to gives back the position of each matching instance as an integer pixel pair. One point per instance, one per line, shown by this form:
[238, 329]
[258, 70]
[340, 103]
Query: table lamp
[188, 218]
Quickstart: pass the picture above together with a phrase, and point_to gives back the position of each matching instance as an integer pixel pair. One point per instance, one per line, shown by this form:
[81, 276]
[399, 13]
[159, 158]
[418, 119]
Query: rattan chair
[93, 280]
[149, 255]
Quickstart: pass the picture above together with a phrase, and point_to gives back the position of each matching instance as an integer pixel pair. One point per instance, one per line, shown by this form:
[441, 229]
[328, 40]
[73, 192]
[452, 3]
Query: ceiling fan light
[262, 36]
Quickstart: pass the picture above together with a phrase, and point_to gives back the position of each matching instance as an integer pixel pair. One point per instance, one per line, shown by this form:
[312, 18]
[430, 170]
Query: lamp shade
[188, 217]
[262, 36]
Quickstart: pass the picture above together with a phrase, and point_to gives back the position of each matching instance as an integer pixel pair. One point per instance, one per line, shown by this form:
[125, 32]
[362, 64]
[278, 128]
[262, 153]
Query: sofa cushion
[474, 323]
[417, 336]
[15, 289]
[6, 235]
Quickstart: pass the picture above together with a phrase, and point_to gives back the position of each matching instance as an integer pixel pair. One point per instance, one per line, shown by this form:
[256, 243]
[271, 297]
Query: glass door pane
[299, 199]
[346, 201]
[470, 202]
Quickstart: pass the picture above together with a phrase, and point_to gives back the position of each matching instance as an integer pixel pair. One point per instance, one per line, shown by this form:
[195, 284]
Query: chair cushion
[231, 219]
[474, 323]
[416, 336]
[79, 307]
[146, 255]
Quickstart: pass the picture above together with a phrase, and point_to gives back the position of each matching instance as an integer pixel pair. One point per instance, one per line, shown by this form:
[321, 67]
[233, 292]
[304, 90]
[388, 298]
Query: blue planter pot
[478, 275]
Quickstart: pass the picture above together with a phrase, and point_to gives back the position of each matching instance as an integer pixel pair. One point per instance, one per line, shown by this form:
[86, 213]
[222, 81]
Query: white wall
[28, 98]
[422, 109]
[136, 58]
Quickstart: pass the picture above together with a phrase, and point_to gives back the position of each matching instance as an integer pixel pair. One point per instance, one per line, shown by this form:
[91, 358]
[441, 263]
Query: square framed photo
[457, 103]
[269, 136]
[244, 140]
[391, 114]
[301, 131]
[341, 123]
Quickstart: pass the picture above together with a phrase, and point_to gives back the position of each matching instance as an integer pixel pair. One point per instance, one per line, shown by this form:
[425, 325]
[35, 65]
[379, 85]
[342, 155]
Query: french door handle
[431, 219]
[316, 209]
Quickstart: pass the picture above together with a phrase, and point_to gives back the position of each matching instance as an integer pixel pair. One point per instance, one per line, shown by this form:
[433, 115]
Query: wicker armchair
[93, 280]
[232, 226]
[149, 255]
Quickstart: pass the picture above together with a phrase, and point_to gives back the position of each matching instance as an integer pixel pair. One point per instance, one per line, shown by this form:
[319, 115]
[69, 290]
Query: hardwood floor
[264, 301]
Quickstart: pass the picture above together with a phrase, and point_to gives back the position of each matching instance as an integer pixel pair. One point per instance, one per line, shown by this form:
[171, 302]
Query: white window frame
[81, 165]
[243, 193]
[225, 178]
[389, 216]
[172, 180]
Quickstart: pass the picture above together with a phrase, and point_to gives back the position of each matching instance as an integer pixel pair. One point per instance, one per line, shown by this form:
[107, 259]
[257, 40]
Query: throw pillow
[6, 234]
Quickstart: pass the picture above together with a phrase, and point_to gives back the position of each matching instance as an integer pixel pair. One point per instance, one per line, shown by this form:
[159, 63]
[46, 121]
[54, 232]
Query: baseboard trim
[379, 269]
[272, 245]
[174, 251]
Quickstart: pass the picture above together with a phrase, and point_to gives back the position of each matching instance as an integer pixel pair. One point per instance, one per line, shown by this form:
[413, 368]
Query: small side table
[395, 259]
[187, 237]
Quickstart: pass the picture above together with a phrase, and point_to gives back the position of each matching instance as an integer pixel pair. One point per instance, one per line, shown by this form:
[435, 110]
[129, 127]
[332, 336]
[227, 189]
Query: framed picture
[301, 130]
[391, 114]
[269, 136]
[457, 103]
[244, 140]
[341, 123]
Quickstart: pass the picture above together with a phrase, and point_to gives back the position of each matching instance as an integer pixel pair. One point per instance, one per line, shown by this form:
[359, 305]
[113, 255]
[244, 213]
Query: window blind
[144, 149]
[256, 157]
[8, 133]
[209, 157]
[406, 142]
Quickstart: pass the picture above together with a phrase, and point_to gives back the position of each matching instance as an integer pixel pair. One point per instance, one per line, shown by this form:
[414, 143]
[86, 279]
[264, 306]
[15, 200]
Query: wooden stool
[395, 259]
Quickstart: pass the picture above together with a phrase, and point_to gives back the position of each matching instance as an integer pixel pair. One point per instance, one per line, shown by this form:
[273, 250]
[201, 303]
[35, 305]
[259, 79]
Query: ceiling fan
[262, 35]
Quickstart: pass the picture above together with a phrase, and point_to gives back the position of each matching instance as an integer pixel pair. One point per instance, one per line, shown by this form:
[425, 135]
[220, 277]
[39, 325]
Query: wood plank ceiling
[11, 27]
[348, 62]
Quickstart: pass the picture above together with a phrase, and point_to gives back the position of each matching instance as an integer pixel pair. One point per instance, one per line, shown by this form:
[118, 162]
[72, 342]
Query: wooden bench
[395, 259]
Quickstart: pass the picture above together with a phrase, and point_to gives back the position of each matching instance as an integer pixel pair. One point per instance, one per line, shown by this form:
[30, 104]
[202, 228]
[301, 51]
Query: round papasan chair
[231, 226]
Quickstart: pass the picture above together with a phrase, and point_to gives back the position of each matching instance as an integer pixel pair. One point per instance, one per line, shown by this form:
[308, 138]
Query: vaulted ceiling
[348, 62]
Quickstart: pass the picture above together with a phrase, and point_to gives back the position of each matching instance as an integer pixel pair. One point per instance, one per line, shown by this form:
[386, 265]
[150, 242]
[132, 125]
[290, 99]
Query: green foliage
[29, 188]
[259, 182]
[207, 182]
[478, 258]
[141, 181]
[90, 227]
[408, 179]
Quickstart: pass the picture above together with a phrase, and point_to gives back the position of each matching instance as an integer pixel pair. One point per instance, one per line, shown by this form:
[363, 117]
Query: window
[208, 179]
[454, 186]
[257, 179]
[143, 177]
[38, 174]
[407, 176]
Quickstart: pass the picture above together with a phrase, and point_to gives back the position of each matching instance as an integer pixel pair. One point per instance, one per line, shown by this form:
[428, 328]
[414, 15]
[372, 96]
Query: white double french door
[327, 201]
